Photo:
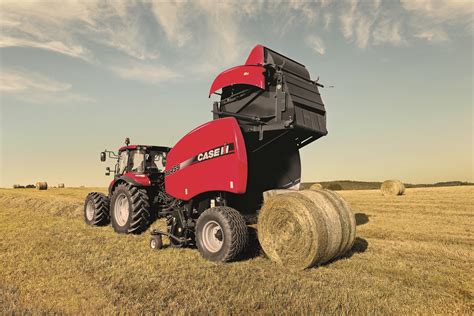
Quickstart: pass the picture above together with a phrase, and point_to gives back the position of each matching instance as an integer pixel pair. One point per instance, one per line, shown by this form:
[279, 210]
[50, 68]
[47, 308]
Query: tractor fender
[136, 179]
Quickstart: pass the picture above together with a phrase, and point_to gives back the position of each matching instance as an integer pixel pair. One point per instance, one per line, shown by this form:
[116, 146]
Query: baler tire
[156, 242]
[98, 203]
[234, 230]
[139, 215]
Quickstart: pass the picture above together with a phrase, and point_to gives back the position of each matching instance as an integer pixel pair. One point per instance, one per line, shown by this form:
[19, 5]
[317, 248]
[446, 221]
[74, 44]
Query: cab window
[138, 161]
[156, 161]
[123, 162]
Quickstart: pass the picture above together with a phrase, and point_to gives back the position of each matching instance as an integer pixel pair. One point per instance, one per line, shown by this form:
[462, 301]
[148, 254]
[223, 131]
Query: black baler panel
[310, 120]
[305, 90]
[287, 64]
[306, 102]
[290, 103]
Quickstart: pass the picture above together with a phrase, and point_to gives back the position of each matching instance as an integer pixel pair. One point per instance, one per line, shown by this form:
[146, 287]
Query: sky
[77, 77]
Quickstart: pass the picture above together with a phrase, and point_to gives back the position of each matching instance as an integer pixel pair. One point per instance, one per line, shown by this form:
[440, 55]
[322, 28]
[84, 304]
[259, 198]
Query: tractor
[210, 185]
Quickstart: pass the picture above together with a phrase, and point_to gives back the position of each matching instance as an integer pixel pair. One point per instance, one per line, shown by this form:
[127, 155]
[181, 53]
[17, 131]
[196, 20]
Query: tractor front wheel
[221, 234]
[129, 209]
[96, 209]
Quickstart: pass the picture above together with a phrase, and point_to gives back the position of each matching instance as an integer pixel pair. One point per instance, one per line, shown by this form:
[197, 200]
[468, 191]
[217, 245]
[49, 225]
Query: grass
[413, 255]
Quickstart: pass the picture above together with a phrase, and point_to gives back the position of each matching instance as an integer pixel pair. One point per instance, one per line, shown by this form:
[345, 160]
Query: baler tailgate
[289, 104]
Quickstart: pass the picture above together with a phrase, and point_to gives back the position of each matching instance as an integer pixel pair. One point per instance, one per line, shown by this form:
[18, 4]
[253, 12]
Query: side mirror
[107, 171]
[102, 156]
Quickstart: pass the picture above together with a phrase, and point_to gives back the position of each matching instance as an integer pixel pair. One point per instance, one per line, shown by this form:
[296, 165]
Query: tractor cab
[137, 159]
[141, 159]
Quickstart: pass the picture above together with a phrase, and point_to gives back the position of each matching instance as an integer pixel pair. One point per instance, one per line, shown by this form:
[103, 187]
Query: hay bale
[307, 228]
[339, 218]
[316, 186]
[42, 185]
[289, 233]
[348, 221]
[61, 185]
[268, 194]
[392, 187]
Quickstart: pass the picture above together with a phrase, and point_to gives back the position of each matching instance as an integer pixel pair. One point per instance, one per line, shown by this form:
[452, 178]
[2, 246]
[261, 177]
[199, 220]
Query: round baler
[214, 180]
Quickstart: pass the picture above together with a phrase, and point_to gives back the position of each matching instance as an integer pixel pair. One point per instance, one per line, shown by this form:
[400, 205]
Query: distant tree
[334, 187]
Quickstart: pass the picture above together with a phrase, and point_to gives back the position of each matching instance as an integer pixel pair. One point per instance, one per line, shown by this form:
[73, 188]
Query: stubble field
[413, 255]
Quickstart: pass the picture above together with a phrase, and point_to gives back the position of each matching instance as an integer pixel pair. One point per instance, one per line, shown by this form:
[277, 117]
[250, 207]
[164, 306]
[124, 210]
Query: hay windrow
[45, 205]
[392, 187]
[316, 186]
[290, 233]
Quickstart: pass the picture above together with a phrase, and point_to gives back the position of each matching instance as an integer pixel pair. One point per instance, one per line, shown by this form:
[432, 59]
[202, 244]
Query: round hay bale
[61, 185]
[340, 221]
[348, 221]
[316, 186]
[392, 187]
[290, 233]
[300, 230]
[41, 185]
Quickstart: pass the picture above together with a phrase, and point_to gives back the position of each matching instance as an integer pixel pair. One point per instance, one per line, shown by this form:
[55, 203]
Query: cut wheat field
[413, 255]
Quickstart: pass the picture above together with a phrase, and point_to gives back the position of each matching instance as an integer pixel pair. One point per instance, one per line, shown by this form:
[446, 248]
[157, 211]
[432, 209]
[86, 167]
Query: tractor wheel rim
[121, 209]
[90, 210]
[212, 236]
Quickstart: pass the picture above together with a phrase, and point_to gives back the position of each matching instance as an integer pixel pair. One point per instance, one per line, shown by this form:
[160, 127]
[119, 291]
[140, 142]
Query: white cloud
[430, 19]
[67, 27]
[200, 36]
[36, 88]
[357, 21]
[55, 46]
[316, 44]
[388, 31]
[171, 16]
[442, 10]
[305, 8]
[376, 4]
[362, 31]
[147, 73]
[327, 20]
[348, 18]
[17, 80]
[434, 35]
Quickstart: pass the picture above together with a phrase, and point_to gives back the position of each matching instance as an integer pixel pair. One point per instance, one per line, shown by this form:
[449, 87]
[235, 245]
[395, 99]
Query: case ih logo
[217, 152]
[214, 153]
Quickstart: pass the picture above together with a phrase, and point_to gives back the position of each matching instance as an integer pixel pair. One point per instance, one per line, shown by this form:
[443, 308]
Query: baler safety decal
[217, 152]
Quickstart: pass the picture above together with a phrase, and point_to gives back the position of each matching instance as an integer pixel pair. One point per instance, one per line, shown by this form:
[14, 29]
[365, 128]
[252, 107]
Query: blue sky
[79, 77]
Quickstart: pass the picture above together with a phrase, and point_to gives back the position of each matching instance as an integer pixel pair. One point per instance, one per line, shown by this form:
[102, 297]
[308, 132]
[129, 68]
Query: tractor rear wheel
[96, 209]
[221, 234]
[129, 209]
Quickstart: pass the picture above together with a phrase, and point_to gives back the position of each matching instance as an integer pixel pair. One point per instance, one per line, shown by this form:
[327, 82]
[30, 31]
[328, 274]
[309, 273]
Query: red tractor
[210, 185]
